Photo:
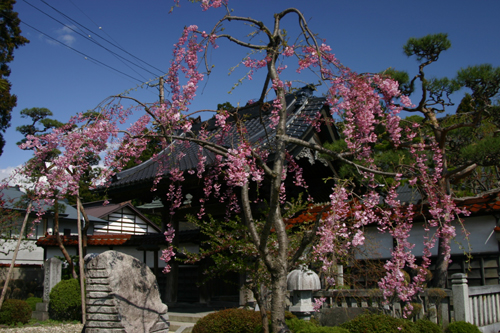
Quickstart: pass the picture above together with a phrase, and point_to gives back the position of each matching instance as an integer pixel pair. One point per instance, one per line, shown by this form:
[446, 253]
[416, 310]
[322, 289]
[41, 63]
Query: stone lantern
[302, 282]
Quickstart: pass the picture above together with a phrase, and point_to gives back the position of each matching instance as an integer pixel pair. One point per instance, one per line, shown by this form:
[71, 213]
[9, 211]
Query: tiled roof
[301, 107]
[309, 215]
[13, 198]
[106, 240]
[21, 265]
[487, 203]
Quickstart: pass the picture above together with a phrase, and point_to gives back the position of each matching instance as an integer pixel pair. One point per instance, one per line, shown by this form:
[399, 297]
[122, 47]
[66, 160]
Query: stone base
[42, 311]
[42, 306]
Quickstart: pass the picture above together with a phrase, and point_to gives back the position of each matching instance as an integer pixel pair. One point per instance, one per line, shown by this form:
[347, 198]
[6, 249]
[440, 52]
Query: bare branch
[336, 156]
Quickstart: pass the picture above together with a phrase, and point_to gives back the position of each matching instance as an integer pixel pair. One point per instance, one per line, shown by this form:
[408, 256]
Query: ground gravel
[63, 328]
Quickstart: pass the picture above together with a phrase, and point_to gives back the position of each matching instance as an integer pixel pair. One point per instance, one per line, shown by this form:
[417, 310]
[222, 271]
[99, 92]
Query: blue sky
[366, 35]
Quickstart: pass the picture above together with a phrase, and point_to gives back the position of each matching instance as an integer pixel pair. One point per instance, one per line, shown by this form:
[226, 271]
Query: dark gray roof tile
[297, 126]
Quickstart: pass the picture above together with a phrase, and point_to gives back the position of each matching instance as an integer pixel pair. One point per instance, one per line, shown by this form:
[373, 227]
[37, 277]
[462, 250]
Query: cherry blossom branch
[336, 156]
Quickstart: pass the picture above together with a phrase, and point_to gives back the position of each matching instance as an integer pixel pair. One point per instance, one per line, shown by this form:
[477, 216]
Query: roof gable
[120, 218]
[302, 108]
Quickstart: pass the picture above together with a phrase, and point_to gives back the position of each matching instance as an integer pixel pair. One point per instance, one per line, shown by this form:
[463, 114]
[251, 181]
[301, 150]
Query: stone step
[180, 327]
[184, 317]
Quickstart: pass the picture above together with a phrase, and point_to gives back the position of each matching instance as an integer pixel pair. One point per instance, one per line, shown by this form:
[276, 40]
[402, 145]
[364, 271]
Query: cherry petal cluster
[168, 253]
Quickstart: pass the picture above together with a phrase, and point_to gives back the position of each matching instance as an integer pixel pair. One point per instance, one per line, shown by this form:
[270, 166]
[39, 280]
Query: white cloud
[7, 175]
[67, 39]
[65, 35]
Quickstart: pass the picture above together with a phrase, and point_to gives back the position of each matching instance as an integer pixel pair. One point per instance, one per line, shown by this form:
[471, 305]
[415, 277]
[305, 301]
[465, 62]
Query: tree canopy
[466, 137]
[369, 106]
[10, 39]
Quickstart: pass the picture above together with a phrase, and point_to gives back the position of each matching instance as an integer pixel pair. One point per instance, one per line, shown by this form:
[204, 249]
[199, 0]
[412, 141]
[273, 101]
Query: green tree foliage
[40, 123]
[225, 106]
[467, 136]
[10, 39]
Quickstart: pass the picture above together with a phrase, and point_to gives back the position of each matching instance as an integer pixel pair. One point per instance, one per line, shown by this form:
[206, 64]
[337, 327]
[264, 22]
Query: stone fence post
[53, 270]
[461, 302]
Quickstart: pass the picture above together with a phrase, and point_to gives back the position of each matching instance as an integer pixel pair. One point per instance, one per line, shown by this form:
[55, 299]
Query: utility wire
[107, 41]
[109, 36]
[87, 35]
[93, 41]
[83, 54]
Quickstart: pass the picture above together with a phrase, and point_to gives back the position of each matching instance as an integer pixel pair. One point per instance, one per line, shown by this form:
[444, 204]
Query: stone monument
[52, 276]
[122, 296]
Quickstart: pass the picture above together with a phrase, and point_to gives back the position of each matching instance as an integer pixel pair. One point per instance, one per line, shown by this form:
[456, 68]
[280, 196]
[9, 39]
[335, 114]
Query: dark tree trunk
[440, 275]
[278, 301]
[261, 302]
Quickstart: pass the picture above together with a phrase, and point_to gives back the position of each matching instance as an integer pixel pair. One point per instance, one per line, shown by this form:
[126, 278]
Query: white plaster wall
[28, 253]
[480, 229]
[479, 240]
[379, 245]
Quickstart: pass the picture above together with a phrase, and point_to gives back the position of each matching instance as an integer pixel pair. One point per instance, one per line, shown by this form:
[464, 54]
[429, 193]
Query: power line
[104, 31]
[97, 34]
[93, 41]
[83, 54]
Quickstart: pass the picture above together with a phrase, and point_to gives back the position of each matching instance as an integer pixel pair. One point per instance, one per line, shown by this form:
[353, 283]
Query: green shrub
[462, 327]
[65, 301]
[32, 301]
[379, 323]
[229, 321]
[288, 315]
[303, 326]
[15, 311]
[427, 326]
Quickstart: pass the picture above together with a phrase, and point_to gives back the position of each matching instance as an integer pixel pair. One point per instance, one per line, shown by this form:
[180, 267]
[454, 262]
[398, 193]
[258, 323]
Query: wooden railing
[434, 304]
[485, 305]
[477, 305]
